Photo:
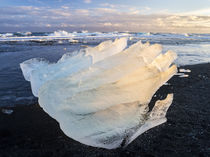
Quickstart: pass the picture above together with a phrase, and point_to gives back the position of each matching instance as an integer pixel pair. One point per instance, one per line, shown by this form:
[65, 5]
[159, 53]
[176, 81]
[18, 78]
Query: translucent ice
[100, 96]
[7, 111]
[184, 70]
[38, 71]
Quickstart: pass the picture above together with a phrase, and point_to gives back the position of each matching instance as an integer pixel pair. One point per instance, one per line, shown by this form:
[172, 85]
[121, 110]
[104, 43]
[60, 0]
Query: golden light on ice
[100, 96]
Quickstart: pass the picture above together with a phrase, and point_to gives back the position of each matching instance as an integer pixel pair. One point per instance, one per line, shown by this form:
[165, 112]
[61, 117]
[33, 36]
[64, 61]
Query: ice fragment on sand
[182, 75]
[7, 111]
[184, 70]
[100, 96]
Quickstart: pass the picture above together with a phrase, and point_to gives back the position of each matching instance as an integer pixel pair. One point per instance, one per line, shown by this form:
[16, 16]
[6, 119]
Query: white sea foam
[61, 33]
[25, 33]
[87, 34]
[100, 95]
[5, 35]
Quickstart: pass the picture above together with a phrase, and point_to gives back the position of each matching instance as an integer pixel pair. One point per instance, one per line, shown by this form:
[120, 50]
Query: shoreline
[29, 131]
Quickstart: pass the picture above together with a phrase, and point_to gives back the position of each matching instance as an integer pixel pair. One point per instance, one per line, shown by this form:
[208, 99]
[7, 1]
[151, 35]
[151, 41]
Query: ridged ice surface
[100, 96]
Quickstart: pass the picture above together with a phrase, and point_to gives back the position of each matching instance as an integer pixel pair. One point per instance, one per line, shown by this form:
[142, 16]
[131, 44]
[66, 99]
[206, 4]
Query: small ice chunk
[130, 38]
[7, 111]
[184, 70]
[73, 41]
[184, 75]
[60, 42]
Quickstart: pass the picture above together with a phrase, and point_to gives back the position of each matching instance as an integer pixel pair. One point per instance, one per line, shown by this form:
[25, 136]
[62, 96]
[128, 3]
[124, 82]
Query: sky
[174, 16]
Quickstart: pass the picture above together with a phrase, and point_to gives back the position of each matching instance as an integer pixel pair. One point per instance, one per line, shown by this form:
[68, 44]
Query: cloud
[99, 19]
[87, 1]
[185, 23]
[204, 12]
[107, 24]
[108, 5]
[84, 12]
[102, 11]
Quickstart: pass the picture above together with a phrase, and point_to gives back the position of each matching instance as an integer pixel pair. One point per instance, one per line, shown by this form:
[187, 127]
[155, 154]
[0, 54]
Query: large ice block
[100, 96]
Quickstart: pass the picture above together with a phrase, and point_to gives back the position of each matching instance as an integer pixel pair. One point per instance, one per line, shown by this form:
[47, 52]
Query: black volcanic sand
[30, 132]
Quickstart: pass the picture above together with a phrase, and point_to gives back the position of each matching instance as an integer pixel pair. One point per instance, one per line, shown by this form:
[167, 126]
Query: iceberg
[100, 95]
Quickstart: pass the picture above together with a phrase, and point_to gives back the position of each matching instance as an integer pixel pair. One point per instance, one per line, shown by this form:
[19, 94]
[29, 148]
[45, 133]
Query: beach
[104, 78]
[29, 131]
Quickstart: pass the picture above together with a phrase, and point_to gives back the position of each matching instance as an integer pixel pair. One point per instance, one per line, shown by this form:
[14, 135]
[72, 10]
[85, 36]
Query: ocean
[20, 46]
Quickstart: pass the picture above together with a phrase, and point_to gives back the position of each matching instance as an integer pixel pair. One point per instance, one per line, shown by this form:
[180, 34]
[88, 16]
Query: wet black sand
[30, 132]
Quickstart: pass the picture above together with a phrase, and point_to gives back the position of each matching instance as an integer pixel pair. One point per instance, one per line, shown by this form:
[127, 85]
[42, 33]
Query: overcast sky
[105, 15]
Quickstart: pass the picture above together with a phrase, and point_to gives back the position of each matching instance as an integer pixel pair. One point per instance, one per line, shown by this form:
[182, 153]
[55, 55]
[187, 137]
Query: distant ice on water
[100, 95]
[61, 33]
